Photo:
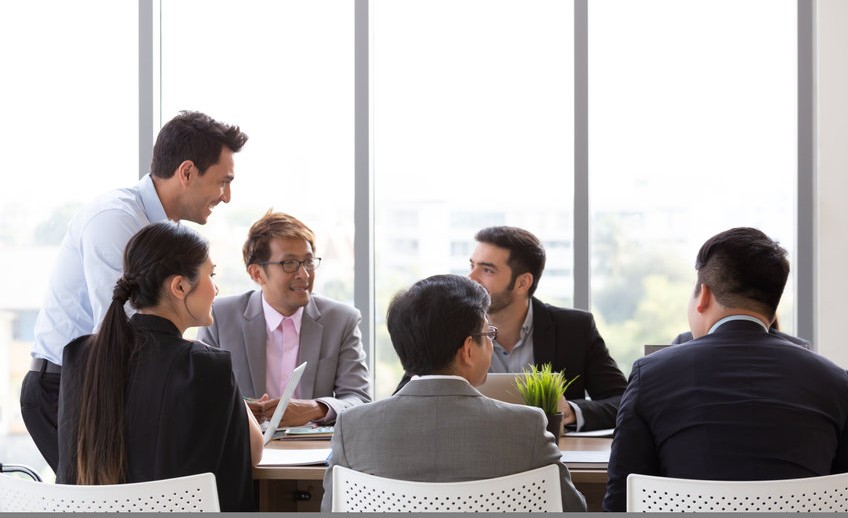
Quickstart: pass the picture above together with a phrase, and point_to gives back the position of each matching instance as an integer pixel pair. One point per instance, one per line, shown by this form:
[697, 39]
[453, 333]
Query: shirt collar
[150, 200]
[438, 377]
[273, 318]
[737, 317]
[527, 326]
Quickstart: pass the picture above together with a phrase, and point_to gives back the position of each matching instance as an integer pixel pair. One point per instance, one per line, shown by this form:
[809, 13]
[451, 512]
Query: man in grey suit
[438, 427]
[272, 330]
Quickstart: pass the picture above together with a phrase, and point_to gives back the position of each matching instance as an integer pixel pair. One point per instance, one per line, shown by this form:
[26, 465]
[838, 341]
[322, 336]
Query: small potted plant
[542, 387]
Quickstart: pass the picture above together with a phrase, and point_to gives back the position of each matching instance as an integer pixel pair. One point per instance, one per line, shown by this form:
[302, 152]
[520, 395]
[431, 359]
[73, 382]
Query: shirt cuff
[331, 414]
[578, 415]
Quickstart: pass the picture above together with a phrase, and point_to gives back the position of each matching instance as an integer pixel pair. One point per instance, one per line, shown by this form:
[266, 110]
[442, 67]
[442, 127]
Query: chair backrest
[194, 493]
[20, 468]
[534, 490]
[828, 493]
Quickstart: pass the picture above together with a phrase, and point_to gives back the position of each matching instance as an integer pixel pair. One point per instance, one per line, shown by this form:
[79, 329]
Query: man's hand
[302, 411]
[568, 416]
[263, 408]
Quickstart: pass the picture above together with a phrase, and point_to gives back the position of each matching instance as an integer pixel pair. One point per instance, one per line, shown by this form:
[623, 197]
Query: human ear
[178, 287]
[704, 299]
[256, 273]
[184, 172]
[524, 281]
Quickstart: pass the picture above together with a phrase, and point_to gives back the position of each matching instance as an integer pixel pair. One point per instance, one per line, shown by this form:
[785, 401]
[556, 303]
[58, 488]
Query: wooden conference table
[300, 488]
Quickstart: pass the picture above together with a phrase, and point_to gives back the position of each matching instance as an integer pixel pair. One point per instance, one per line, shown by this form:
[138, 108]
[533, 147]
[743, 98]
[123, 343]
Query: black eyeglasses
[293, 265]
[492, 333]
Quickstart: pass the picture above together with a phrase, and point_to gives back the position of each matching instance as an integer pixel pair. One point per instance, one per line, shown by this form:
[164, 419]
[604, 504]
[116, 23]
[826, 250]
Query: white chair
[534, 490]
[828, 493]
[195, 493]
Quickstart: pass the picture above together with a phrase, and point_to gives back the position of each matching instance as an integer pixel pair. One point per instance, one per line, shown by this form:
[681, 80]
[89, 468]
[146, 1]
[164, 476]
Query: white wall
[831, 262]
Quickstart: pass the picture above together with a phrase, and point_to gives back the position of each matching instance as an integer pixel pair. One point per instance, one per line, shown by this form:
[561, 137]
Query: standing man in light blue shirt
[191, 172]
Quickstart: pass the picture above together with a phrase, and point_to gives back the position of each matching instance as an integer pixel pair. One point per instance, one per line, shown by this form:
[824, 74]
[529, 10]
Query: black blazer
[184, 413]
[569, 340]
[737, 404]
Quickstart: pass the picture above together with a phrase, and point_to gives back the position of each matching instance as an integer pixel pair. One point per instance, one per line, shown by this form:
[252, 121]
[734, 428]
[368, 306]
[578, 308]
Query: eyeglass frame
[315, 260]
[492, 333]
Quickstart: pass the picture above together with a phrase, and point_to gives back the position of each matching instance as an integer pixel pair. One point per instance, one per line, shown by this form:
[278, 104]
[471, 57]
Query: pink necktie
[289, 360]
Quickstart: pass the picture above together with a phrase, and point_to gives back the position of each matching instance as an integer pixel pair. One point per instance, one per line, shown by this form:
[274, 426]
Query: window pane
[283, 72]
[472, 127]
[70, 125]
[693, 131]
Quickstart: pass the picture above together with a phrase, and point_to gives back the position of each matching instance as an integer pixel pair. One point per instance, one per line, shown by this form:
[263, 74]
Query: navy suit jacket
[737, 404]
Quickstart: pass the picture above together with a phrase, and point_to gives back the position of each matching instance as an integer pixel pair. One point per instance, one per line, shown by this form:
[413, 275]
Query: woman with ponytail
[137, 401]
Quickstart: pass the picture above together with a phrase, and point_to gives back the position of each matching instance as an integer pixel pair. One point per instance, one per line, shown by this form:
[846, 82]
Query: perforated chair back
[534, 490]
[195, 493]
[828, 493]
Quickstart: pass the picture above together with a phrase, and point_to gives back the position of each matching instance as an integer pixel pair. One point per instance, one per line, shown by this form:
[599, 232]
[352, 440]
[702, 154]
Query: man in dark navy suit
[736, 402]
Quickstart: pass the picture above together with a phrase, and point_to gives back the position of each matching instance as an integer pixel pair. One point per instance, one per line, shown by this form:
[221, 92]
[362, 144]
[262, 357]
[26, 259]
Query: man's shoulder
[328, 306]
[121, 200]
[558, 313]
[231, 303]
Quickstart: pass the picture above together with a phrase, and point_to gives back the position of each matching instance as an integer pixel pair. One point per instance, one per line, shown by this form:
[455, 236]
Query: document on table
[280, 457]
[586, 458]
[606, 432]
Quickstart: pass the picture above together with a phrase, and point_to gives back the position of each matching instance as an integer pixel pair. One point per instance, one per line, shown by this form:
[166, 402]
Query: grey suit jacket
[330, 343]
[443, 430]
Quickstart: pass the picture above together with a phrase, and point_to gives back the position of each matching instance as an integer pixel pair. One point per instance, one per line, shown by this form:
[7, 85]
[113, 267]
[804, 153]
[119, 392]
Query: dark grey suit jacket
[737, 404]
[330, 343]
[443, 430]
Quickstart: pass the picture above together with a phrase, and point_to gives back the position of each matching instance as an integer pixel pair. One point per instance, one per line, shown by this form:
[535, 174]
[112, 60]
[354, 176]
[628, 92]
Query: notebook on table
[286, 396]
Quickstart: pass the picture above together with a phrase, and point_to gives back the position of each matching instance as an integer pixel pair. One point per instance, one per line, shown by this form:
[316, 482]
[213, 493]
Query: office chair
[20, 468]
[534, 490]
[194, 493]
[828, 493]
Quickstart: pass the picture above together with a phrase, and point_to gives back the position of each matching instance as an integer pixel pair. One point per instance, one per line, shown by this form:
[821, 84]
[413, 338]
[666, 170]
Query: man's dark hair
[526, 253]
[744, 268]
[193, 136]
[429, 322]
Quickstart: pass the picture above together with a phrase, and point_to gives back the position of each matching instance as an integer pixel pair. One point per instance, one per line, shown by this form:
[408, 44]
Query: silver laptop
[286, 396]
[501, 386]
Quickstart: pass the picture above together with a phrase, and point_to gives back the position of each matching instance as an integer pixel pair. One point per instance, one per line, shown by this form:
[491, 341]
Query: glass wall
[472, 127]
[283, 72]
[69, 132]
[693, 130]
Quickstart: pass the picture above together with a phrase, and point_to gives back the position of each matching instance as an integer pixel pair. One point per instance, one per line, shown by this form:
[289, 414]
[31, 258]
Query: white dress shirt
[89, 262]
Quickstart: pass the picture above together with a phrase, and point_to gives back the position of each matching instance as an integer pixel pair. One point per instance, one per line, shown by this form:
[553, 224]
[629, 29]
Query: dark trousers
[40, 410]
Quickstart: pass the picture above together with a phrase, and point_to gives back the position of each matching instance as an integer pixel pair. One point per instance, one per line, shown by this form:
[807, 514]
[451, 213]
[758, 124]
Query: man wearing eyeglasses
[272, 330]
[438, 428]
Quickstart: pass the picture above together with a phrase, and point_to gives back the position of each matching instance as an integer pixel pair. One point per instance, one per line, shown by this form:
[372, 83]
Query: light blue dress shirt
[89, 262]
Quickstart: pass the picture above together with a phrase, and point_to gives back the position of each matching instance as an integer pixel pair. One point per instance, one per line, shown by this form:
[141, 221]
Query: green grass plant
[542, 387]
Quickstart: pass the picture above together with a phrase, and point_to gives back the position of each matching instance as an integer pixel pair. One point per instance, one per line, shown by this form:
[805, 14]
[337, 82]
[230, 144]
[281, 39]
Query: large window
[472, 127]
[692, 129]
[69, 132]
[283, 72]
[692, 110]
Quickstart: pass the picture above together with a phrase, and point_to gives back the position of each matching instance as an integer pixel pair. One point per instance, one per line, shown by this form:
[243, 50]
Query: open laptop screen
[274, 423]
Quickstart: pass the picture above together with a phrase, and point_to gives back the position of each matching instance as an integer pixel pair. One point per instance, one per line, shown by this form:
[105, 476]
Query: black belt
[41, 365]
